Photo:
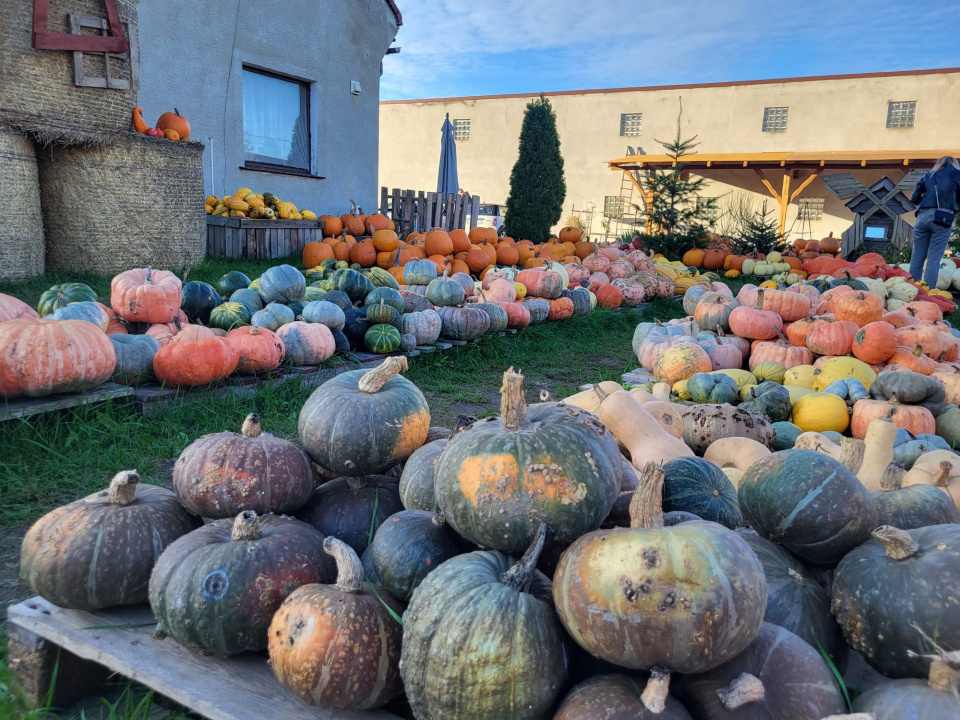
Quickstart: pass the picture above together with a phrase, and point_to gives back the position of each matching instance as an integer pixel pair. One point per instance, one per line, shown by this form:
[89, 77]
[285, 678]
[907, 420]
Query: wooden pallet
[25, 407]
[240, 687]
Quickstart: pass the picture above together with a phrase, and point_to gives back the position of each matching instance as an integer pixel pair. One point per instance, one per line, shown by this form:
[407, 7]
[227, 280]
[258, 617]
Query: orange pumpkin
[812, 247]
[146, 295]
[875, 342]
[353, 224]
[379, 222]
[790, 306]
[610, 297]
[922, 310]
[713, 259]
[912, 418]
[385, 240]
[477, 259]
[43, 357]
[260, 350]
[560, 309]
[176, 122]
[693, 258]
[861, 307]
[832, 338]
[341, 252]
[507, 254]
[755, 323]
[913, 360]
[314, 253]
[570, 234]
[830, 245]
[459, 266]
[926, 337]
[364, 254]
[195, 363]
[438, 243]
[332, 226]
[460, 240]
[585, 248]
[490, 251]
[799, 244]
[12, 308]
[442, 263]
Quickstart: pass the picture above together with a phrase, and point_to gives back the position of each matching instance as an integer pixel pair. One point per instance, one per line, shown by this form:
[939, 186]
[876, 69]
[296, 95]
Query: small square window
[875, 233]
[612, 206]
[810, 208]
[631, 123]
[461, 129]
[901, 114]
[709, 208]
[775, 119]
[276, 120]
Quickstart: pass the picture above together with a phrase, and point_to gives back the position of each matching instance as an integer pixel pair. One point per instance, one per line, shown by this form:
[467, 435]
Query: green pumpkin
[637, 596]
[614, 696]
[248, 298]
[770, 399]
[338, 298]
[787, 434]
[444, 292]
[809, 503]
[273, 317]
[218, 587]
[381, 278]
[914, 506]
[354, 284]
[409, 546]
[416, 480]
[771, 371]
[255, 285]
[713, 388]
[698, 486]
[352, 426]
[326, 284]
[419, 272]
[893, 594]
[297, 307]
[850, 282]
[499, 479]
[282, 284]
[381, 314]
[341, 265]
[498, 316]
[795, 600]
[325, 313]
[386, 295]
[471, 613]
[463, 323]
[229, 283]
[912, 698]
[313, 293]
[580, 298]
[382, 338]
[229, 315]
[62, 295]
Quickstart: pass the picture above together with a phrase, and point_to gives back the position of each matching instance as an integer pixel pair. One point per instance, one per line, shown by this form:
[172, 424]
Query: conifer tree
[537, 187]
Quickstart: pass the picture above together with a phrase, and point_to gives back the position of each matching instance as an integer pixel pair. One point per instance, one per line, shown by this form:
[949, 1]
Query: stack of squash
[640, 558]
[245, 203]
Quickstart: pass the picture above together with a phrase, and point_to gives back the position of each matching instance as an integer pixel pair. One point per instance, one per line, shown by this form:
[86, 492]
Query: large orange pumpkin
[861, 307]
[477, 259]
[314, 253]
[146, 295]
[332, 226]
[438, 243]
[875, 342]
[570, 234]
[830, 245]
[507, 254]
[259, 349]
[385, 240]
[713, 259]
[912, 418]
[832, 338]
[364, 254]
[460, 240]
[43, 357]
[693, 258]
[195, 363]
[176, 122]
[353, 224]
[379, 222]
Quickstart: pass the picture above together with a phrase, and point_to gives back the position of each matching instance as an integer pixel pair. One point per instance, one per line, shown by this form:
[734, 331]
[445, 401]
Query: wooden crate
[90, 645]
[259, 239]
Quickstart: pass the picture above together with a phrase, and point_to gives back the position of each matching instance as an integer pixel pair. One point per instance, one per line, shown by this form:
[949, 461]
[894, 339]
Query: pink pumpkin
[598, 278]
[306, 343]
[596, 263]
[620, 269]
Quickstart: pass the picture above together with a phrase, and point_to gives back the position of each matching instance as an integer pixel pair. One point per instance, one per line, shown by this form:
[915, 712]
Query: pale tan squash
[878, 451]
[667, 416]
[661, 391]
[848, 453]
[588, 399]
[642, 396]
[735, 452]
[638, 431]
[734, 476]
[940, 468]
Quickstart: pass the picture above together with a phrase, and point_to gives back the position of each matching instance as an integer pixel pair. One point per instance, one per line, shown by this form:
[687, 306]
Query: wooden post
[474, 211]
[383, 202]
[784, 201]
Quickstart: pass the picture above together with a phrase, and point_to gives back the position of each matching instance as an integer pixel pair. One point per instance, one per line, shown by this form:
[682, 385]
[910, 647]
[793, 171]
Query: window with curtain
[276, 120]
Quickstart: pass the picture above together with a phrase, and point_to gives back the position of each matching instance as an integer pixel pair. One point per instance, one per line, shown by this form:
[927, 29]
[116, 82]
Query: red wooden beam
[43, 39]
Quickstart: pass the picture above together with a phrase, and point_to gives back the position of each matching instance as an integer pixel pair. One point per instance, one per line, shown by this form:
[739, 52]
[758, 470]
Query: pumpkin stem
[796, 577]
[601, 393]
[919, 350]
[372, 381]
[357, 483]
[513, 405]
[520, 576]
[892, 478]
[547, 396]
[246, 527]
[744, 690]
[654, 696]
[851, 454]
[438, 519]
[61, 298]
[758, 305]
[123, 487]
[943, 475]
[251, 426]
[646, 506]
[783, 342]
[349, 568]
[898, 544]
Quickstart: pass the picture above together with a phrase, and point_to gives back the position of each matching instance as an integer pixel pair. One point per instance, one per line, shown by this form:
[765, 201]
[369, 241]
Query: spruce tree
[537, 187]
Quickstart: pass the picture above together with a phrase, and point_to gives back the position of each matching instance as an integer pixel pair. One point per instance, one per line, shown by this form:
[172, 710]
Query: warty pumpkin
[98, 552]
[688, 580]
[259, 349]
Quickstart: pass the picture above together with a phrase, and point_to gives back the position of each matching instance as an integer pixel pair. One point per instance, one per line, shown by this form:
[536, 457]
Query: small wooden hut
[878, 222]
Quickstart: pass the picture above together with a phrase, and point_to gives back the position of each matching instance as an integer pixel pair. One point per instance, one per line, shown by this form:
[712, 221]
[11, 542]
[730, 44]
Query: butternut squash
[642, 396]
[735, 452]
[588, 399]
[661, 391]
[940, 468]
[848, 453]
[638, 431]
[878, 451]
[666, 415]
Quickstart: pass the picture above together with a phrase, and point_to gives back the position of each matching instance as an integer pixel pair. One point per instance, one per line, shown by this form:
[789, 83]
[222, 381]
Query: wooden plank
[383, 202]
[25, 407]
[241, 686]
[443, 344]
[425, 349]
[456, 343]
[474, 211]
[397, 208]
[223, 221]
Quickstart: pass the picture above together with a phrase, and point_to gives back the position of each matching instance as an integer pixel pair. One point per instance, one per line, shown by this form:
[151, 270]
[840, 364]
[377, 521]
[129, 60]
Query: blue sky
[466, 47]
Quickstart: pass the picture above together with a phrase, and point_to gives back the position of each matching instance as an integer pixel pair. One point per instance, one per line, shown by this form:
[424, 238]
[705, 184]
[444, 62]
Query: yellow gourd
[679, 390]
[743, 378]
[800, 376]
[521, 290]
[638, 431]
[819, 412]
[839, 368]
[735, 452]
[237, 204]
[242, 192]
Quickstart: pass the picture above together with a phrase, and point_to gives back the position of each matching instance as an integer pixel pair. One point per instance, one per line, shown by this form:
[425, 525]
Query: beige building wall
[840, 113]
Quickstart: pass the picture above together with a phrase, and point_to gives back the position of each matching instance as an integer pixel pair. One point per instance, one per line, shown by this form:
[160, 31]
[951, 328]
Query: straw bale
[37, 94]
[135, 202]
[21, 228]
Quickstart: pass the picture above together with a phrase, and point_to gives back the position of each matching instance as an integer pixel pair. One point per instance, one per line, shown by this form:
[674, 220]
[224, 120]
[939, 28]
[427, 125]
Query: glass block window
[810, 208]
[612, 206]
[461, 129]
[901, 114]
[775, 119]
[630, 123]
[709, 207]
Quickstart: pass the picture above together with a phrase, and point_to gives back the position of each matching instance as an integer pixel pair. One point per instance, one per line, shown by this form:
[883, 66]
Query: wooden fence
[416, 211]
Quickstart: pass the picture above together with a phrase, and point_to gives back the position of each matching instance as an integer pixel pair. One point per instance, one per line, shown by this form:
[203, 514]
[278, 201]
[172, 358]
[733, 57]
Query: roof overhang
[846, 160]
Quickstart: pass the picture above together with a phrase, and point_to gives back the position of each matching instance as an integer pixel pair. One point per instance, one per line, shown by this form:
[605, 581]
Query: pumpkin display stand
[121, 640]
[259, 239]
[101, 204]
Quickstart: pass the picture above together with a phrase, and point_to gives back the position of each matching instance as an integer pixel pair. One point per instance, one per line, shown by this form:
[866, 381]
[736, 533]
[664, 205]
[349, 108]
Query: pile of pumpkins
[571, 559]
[616, 275]
[245, 203]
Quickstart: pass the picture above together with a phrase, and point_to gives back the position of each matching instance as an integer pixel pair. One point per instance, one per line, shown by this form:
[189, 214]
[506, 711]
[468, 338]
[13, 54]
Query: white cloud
[461, 47]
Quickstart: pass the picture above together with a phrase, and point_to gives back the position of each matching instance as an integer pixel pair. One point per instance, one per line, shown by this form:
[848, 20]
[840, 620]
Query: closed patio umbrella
[447, 182]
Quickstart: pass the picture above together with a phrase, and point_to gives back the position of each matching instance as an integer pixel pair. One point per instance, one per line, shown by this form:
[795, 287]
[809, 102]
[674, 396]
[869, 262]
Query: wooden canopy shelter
[803, 167]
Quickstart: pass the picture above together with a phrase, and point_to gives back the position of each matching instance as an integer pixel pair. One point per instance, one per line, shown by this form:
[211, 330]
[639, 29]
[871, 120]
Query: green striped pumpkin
[381, 278]
[354, 284]
[386, 295]
[382, 338]
[229, 315]
[61, 295]
[381, 313]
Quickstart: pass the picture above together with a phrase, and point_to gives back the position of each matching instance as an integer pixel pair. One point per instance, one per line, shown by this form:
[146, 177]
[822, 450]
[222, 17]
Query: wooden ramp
[241, 687]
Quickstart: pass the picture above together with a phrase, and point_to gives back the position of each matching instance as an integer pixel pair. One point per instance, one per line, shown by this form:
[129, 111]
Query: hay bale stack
[38, 94]
[21, 227]
[135, 202]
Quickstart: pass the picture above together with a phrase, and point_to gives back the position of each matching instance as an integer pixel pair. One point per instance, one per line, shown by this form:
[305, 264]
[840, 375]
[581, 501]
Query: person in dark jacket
[939, 190]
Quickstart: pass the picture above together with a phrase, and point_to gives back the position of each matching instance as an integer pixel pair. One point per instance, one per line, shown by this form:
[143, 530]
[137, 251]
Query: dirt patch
[12, 588]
